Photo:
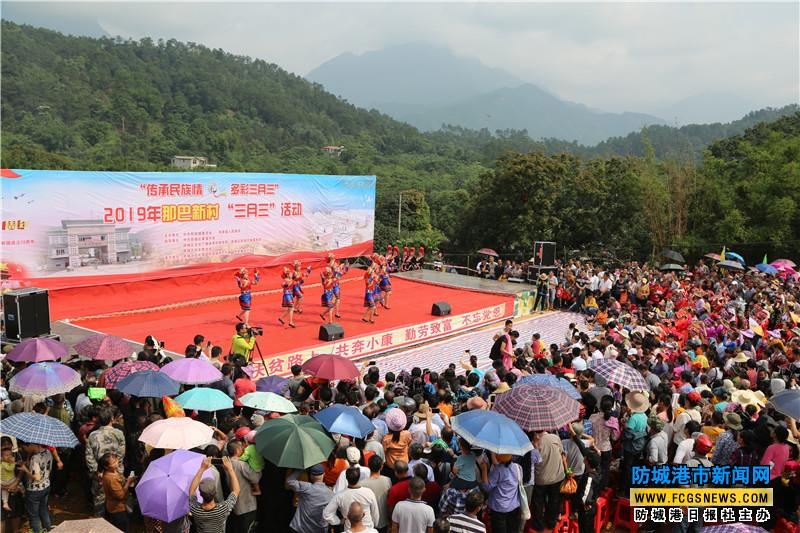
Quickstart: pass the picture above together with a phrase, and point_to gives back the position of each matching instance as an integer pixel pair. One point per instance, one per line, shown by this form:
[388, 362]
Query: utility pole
[399, 214]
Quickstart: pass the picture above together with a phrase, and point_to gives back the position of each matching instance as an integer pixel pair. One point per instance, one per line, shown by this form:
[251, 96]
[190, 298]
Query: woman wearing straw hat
[634, 438]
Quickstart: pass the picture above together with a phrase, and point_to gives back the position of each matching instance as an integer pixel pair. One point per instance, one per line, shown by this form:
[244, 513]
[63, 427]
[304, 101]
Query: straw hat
[741, 358]
[637, 402]
[733, 421]
[728, 385]
[748, 397]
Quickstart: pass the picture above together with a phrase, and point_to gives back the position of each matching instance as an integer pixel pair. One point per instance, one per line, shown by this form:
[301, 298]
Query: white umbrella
[180, 433]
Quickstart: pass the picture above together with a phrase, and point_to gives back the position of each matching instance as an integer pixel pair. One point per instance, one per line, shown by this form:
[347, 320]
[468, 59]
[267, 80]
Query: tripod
[261, 355]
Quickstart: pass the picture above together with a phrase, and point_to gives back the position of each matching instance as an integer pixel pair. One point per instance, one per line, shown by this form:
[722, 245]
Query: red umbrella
[715, 257]
[330, 366]
[117, 373]
[488, 251]
[103, 347]
[8, 173]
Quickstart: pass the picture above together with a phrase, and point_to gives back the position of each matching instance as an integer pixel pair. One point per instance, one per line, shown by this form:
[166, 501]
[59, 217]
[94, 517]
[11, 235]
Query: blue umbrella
[345, 420]
[767, 269]
[39, 429]
[551, 381]
[149, 384]
[735, 257]
[492, 431]
[275, 384]
[205, 399]
[787, 402]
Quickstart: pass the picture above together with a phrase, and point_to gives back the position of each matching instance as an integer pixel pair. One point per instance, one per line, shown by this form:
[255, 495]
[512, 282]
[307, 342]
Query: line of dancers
[377, 289]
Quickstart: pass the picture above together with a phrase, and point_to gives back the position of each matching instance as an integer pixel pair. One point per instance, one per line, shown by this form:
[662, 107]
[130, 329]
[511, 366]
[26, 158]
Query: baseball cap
[316, 470]
[694, 396]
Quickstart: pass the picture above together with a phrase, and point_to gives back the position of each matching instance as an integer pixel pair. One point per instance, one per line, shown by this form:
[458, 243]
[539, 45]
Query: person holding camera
[244, 341]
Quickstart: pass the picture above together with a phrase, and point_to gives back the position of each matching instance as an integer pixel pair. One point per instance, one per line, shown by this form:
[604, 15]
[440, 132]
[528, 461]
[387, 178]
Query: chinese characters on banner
[385, 341]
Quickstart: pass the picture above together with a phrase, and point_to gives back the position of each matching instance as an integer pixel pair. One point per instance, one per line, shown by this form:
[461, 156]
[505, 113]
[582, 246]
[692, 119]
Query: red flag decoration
[8, 173]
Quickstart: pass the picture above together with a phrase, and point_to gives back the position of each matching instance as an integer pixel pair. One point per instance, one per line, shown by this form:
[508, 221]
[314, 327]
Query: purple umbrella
[103, 347]
[111, 377]
[163, 490]
[275, 384]
[38, 350]
[45, 379]
[192, 371]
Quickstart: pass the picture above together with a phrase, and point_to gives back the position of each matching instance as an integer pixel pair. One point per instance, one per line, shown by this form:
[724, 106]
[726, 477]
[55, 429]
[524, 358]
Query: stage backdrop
[135, 225]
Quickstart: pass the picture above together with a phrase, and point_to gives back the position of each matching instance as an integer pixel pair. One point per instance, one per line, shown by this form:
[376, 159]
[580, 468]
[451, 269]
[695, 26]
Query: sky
[611, 56]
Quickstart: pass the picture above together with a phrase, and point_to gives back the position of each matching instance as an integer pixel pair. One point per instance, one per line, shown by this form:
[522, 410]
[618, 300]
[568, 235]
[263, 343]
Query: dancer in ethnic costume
[370, 282]
[328, 297]
[299, 277]
[287, 297]
[245, 285]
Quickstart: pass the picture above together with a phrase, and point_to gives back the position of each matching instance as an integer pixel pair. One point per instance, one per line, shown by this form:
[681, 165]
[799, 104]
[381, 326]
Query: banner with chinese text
[384, 341]
[73, 223]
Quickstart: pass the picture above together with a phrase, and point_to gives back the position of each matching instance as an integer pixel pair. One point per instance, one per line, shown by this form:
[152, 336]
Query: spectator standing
[37, 472]
[104, 439]
[413, 515]
[115, 489]
[468, 522]
[244, 509]
[209, 516]
[501, 483]
[380, 486]
[341, 502]
[312, 497]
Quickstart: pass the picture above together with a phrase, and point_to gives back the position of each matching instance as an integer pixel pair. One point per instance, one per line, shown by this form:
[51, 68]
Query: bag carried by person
[569, 486]
[524, 509]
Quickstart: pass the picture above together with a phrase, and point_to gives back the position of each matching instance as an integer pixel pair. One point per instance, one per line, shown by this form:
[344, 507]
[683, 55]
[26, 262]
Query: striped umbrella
[620, 373]
[737, 527]
[551, 381]
[39, 429]
[45, 379]
[537, 407]
[111, 377]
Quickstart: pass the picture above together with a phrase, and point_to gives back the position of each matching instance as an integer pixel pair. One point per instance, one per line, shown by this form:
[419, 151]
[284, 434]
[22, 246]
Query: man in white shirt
[413, 515]
[341, 502]
[353, 458]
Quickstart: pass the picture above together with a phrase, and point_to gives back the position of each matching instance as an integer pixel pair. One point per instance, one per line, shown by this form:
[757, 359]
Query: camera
[256, 330]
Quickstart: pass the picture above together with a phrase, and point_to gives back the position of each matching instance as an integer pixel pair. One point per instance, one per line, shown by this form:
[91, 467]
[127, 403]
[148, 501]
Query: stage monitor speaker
[26, 313]
[440, 309]
[544, 253]
[330, 332]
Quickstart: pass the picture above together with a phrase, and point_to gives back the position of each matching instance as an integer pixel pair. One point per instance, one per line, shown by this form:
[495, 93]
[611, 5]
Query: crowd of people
[713, 346]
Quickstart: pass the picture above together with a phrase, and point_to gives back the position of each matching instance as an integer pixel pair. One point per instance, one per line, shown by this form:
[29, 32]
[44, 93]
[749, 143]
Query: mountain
[428, 86]
[707, 108]
[408, 74]
[36, 14]
[528, 108]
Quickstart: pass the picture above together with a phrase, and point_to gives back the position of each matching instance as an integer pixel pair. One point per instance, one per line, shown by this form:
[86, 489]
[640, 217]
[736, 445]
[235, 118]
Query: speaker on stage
[330, 332]
[440, 309]
[26, 313]
[544, 253]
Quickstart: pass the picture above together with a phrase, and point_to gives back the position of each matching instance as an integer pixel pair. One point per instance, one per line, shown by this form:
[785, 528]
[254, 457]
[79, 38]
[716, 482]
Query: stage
[409, 321]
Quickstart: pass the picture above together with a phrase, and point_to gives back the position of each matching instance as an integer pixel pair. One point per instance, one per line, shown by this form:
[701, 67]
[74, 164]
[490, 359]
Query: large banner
[66, 223]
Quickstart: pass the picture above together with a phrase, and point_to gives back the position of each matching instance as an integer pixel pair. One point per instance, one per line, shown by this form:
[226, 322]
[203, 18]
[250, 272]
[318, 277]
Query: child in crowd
[251, 456]
[9, 476]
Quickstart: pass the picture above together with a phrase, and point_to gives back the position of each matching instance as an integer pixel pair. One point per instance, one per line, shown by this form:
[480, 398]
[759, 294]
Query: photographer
[244, 341]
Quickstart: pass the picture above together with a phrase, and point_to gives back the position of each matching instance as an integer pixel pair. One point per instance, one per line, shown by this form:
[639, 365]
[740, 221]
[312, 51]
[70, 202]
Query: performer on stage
[299, 278]
[329, 300]
[287, 297]
[385, 285]
[370, 282]
[420, 259]
[339, 270]
[245, 297]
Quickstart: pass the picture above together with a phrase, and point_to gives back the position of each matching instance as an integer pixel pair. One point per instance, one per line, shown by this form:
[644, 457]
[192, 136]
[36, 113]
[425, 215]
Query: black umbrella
[731, 265]
[671, 267]
[673, 256]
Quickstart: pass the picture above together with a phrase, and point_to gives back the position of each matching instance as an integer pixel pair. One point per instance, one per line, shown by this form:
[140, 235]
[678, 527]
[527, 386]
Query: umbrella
[620, 373]
[192, 371]
[178, 433]
[204, 399]
[783, 262]
[111, 377]
[163, 490]
[737, 527]
[766, 269]
[345, 420]
[268, 401]
[329, 366]
[293, 441]
[488, 251]
[45, 379]
[492, 431]
[673, 256]
[730, 265]
[87, 525]
[103, 347]
[39, 429]
[715, 257]
[551, 381]
[671, 267]
[735, 257]
[537, 407]
[787, 402]
[37, 350]
[149, 384]
[275, 384]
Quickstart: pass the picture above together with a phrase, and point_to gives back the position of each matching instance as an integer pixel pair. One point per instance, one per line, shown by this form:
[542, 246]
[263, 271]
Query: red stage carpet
[410, 304]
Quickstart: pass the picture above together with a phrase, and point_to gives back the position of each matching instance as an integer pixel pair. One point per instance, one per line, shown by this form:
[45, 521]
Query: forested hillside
[82, 103]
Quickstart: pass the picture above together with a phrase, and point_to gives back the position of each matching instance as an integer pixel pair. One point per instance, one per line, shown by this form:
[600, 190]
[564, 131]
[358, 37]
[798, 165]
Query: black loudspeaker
[440, 309]
[330, 332]
[544, 253]
[26, 313]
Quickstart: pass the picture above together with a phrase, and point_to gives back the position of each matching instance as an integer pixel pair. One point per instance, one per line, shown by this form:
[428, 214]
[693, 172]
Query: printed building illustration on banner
[68, 223]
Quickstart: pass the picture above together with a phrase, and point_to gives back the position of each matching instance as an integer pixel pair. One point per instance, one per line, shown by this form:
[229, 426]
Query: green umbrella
[293, 441]
[268, 401]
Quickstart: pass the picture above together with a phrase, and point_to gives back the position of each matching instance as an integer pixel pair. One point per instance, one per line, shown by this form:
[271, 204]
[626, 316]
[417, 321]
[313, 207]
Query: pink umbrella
[330, 366]
[37, 350]
[103, 347]
[783, 262]
[488, 251]
[192, 371]
[111, 377]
